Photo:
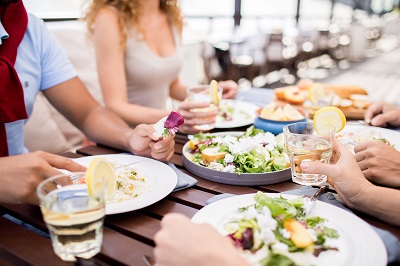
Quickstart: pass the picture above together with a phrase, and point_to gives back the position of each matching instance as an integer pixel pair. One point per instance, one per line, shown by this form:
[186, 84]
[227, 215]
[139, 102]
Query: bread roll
[212, 154]
[294, 95]
[344, 91]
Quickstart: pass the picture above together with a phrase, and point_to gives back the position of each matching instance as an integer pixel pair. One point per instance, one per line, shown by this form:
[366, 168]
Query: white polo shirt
[41, 64]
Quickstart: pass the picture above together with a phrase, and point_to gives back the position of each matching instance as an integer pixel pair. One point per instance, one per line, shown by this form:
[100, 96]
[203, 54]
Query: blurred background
[269, 43]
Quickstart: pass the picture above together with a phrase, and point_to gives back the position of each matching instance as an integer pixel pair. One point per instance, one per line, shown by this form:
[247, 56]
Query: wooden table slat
[97, 150]
[31, 214]
[191, 197]
[22, 246]
[123, 249]
[131, 224]
[163, 207]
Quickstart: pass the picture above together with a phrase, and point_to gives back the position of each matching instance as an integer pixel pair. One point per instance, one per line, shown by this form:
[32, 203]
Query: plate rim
[382, 130]
[236, 178]
[122, 207]
[201, 216]
[253, 116]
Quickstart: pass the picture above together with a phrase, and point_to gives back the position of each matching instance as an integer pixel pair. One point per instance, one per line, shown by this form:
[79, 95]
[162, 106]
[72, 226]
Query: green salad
[254, 151]
[277, 231]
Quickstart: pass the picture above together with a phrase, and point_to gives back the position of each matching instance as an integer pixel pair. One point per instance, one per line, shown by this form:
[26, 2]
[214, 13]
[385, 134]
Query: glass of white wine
[303, 143]
[73, 216]
[201, 93]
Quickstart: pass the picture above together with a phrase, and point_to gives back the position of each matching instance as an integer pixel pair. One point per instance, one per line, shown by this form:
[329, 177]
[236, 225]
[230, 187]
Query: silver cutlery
[129, 164]
[309, 202]
[148, 261]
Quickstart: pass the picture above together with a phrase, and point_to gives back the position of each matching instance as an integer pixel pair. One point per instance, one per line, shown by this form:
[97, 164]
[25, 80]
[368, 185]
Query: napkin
[392, 243]
[184, 180]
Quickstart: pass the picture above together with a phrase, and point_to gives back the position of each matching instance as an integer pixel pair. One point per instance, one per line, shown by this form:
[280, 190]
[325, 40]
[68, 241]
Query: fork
[125, 165]
[147, 260]
[309, 202]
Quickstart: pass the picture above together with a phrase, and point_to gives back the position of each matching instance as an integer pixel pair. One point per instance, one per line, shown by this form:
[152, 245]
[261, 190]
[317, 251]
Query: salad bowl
[232, 178]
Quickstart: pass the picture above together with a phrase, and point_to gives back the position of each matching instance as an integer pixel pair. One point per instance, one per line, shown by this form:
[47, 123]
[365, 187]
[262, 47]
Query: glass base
[84, 250]
[205, 127]
[308, 179]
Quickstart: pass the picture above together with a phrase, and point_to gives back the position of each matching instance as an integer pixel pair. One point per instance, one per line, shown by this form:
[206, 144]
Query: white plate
[244, 114]
[392, 136]
[160, 177]
[358, 244]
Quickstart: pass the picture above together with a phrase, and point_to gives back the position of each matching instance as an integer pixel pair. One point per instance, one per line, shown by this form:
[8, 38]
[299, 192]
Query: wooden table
[129, 235]
[126, 236]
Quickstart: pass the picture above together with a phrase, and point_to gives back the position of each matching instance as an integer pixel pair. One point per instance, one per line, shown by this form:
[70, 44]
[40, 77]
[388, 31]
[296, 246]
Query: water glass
[303, 143]
[73, 216]
[201, 93]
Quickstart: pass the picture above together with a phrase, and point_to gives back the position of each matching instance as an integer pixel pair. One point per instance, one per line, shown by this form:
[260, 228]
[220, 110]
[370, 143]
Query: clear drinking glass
[201, 93]
[73, 216]
[302, 143]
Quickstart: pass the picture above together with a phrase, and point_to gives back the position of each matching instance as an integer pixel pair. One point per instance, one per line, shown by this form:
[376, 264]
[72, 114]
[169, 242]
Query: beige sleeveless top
[149, 75]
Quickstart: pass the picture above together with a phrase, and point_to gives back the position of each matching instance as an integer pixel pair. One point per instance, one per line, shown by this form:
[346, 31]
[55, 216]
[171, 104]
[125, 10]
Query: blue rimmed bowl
[275, 126]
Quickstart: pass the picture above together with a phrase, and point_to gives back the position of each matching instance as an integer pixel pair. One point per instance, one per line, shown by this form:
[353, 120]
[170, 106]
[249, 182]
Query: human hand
[382, 114]
[181, 242]
[379, 162]
[229, 89]
[345, 176]
[21, 174]
[195, 118]
[144, 141]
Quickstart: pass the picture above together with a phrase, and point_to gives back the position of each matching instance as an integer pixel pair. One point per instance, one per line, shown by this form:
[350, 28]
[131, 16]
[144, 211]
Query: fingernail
[157, 146]
[373, 121]
[304, 165]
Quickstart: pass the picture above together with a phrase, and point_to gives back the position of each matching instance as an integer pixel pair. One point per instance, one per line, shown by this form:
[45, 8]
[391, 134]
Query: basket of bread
[351, 99]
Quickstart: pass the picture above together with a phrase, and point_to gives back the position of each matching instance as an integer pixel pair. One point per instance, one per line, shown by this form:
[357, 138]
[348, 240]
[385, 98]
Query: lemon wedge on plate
[316, 92]
[99, 173]
[328, 117]
[214, 92]
[193, 143]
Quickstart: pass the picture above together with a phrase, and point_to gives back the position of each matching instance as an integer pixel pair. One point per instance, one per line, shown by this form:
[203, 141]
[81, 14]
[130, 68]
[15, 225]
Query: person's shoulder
[108, 13]
[34, 22]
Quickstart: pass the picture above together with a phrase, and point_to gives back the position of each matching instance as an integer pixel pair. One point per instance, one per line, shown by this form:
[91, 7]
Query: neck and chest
[158, 34]
[152, 61]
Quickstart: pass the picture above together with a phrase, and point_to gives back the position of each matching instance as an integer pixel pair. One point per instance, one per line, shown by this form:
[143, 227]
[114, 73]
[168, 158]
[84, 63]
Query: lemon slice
[98, 172]
[214, 93]
[328, 117]
[193, 142]
[316, 92]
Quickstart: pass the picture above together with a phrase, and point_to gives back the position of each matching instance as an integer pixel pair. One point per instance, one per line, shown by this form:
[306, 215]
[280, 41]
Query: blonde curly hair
[128, 10]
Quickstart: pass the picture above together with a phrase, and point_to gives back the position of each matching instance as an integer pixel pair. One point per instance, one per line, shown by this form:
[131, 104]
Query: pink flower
[168, 125]
[174, 120]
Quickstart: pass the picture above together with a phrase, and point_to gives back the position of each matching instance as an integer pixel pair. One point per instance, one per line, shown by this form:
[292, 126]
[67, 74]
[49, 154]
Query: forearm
[177, 90]
[103, 126]
[380, 202]
[133, 114]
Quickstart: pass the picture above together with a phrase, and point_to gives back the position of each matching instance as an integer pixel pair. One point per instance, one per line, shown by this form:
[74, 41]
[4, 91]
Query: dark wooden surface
[129, 235]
